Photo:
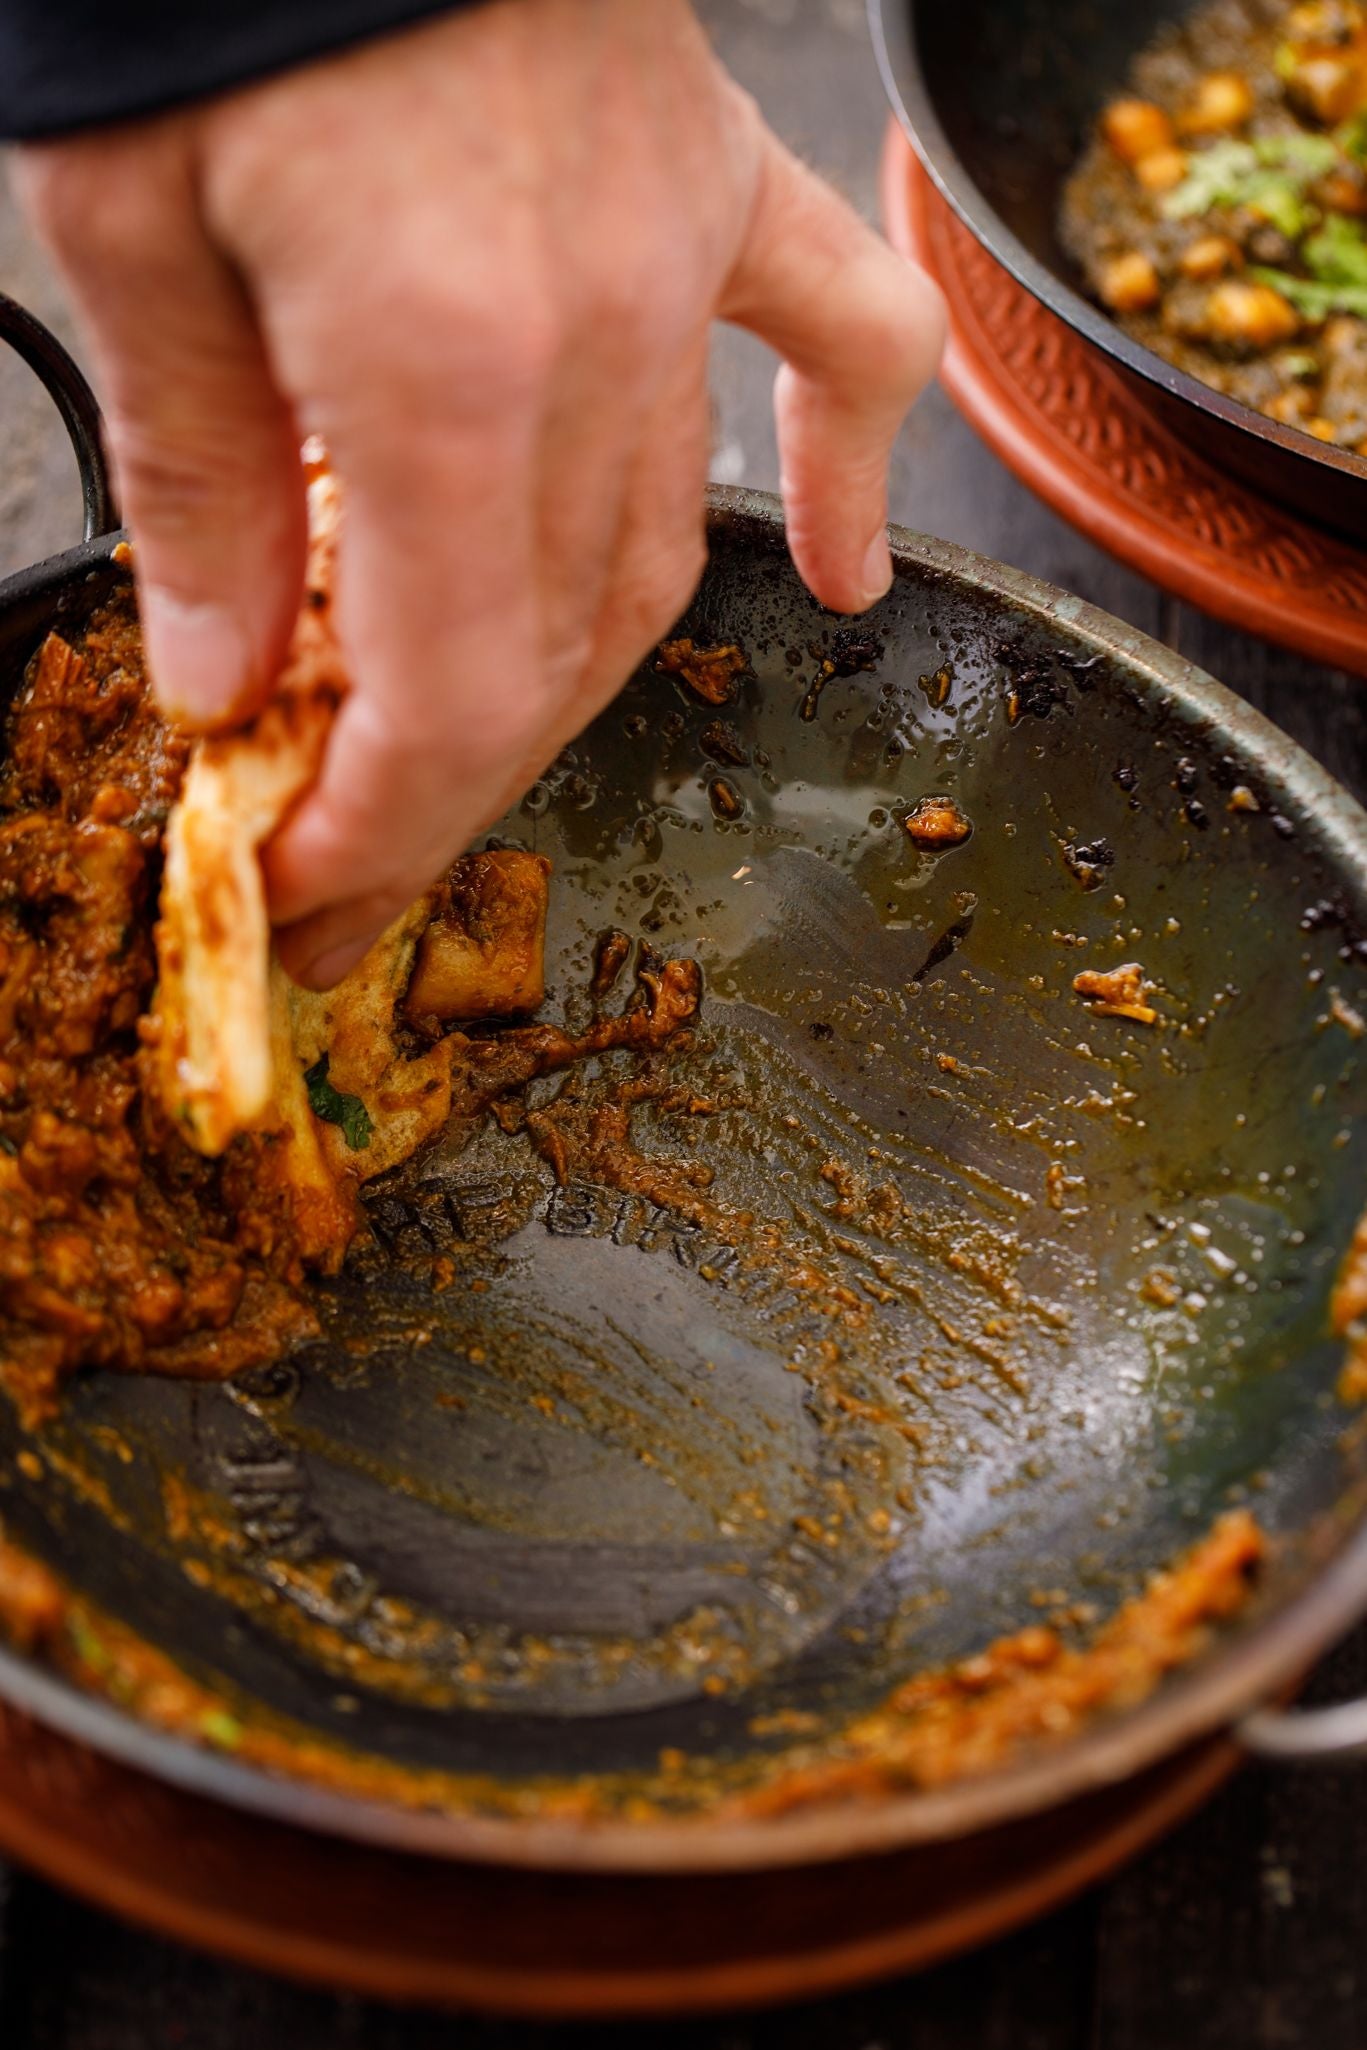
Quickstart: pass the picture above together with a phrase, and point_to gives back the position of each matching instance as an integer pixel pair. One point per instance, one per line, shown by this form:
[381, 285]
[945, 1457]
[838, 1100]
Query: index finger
[860, 331]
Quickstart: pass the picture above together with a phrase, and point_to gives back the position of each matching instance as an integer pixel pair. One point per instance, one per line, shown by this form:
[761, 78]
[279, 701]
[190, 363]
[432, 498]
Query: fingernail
[877, 570]
[332, 966]
[197, 655]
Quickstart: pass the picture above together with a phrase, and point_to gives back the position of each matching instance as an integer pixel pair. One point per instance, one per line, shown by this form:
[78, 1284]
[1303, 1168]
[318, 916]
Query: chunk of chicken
[482, 955]
[1136, 129]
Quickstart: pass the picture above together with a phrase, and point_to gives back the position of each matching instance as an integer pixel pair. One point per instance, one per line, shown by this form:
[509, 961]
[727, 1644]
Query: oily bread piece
[318, 1079]
[215, 1060]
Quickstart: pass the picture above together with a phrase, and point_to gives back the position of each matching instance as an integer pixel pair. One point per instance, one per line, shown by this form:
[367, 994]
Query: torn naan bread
[213, 940]
[319, 1078]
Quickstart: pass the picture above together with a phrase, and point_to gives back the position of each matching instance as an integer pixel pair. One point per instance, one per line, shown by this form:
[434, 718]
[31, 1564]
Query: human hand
[480, 258]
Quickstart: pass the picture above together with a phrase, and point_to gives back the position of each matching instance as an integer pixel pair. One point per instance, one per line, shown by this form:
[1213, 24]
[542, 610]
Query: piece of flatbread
[214, 1002]
[406, 1096]
[318, 1079]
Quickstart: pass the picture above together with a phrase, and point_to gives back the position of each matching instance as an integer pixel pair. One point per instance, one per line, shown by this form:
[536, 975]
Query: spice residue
[951, 1723]
[1117, 993]
[1034, 1687]
[936, 822]
[1348, 1314]
[712, 674]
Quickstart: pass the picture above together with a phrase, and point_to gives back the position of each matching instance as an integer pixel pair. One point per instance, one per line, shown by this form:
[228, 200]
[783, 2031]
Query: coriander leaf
[1337, 253]
[1312, 155]
[1352, 137]
[1276, 196]
[1214, 178]
[89, 1648]
[334, 1107]
[221, 1728]
[1312, 298]
[1270, 175]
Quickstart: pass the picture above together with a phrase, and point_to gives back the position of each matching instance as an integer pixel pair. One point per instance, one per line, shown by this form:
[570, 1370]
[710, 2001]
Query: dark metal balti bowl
[483, 1530]
[998, 97]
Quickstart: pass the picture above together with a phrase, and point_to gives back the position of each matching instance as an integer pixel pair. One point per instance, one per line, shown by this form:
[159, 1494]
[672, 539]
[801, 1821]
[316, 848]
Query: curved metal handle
[76, 403]
[1307, 1735]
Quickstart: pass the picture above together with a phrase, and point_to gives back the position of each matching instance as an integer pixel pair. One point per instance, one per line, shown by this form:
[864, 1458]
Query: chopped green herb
[1336, 254]
[8, 1145]
[334, 1107]
[221, 1728]
[1315, 300]
[1312, 154]
[1274, 195]
[1270, 176]
[1214, 178]
[1301, 364]
[89, 1648]
[1352, 137]
[1285, 62]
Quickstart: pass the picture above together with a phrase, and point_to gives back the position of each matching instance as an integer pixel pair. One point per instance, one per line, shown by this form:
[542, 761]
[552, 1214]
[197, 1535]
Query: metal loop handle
[1307, 1735]
[76, 403]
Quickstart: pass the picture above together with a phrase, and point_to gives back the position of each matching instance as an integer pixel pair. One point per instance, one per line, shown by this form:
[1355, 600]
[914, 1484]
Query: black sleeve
[67, 64]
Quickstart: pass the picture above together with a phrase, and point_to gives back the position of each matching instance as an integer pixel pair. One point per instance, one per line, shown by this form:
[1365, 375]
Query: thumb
[860, 331]
[204, 446]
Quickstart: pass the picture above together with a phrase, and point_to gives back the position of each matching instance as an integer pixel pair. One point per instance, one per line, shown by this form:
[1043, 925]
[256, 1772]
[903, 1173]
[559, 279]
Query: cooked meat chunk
[712, 674]
[482, 953]
[1129, 282]
[1117, 993]
[1136, 129]
[936, 822]
[1222, 100]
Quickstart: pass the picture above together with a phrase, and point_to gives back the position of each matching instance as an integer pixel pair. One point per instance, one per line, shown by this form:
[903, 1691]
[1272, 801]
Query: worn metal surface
[1247, 1929]
[973, 1293]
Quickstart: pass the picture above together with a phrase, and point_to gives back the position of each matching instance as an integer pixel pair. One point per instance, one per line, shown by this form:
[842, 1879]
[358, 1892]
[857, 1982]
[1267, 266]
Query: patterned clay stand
[429, 1930]
[1080, 436]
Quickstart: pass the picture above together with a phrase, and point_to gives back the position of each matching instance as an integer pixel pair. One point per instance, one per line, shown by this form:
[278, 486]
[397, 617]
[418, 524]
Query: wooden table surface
[1247, 1930]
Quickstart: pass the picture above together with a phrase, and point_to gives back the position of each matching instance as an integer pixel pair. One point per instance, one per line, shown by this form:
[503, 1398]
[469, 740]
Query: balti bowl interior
[567, 1512]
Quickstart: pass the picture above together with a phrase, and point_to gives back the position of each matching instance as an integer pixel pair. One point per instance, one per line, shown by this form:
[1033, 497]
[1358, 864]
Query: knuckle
[382, 904]
[518, 353]
[166, 485]
[505, 730]
[903, 327]
[59, 187]
[103, 204]
[744, 118]
[570, 656]
[660, 585]
[453, 353]
[631, 312]
[177, 476]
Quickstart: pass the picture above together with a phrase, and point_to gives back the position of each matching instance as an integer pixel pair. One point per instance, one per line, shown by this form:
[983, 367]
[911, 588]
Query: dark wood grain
[1249, 1927]
[1247, 1930]
[76, 1982]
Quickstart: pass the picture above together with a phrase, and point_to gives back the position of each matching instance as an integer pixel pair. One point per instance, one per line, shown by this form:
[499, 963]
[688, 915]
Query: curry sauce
[119, 1247]
[1220, 210]
[122, 1245]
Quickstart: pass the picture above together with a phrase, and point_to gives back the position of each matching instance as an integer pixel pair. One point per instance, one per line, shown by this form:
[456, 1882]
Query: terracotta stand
[423, 1930]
